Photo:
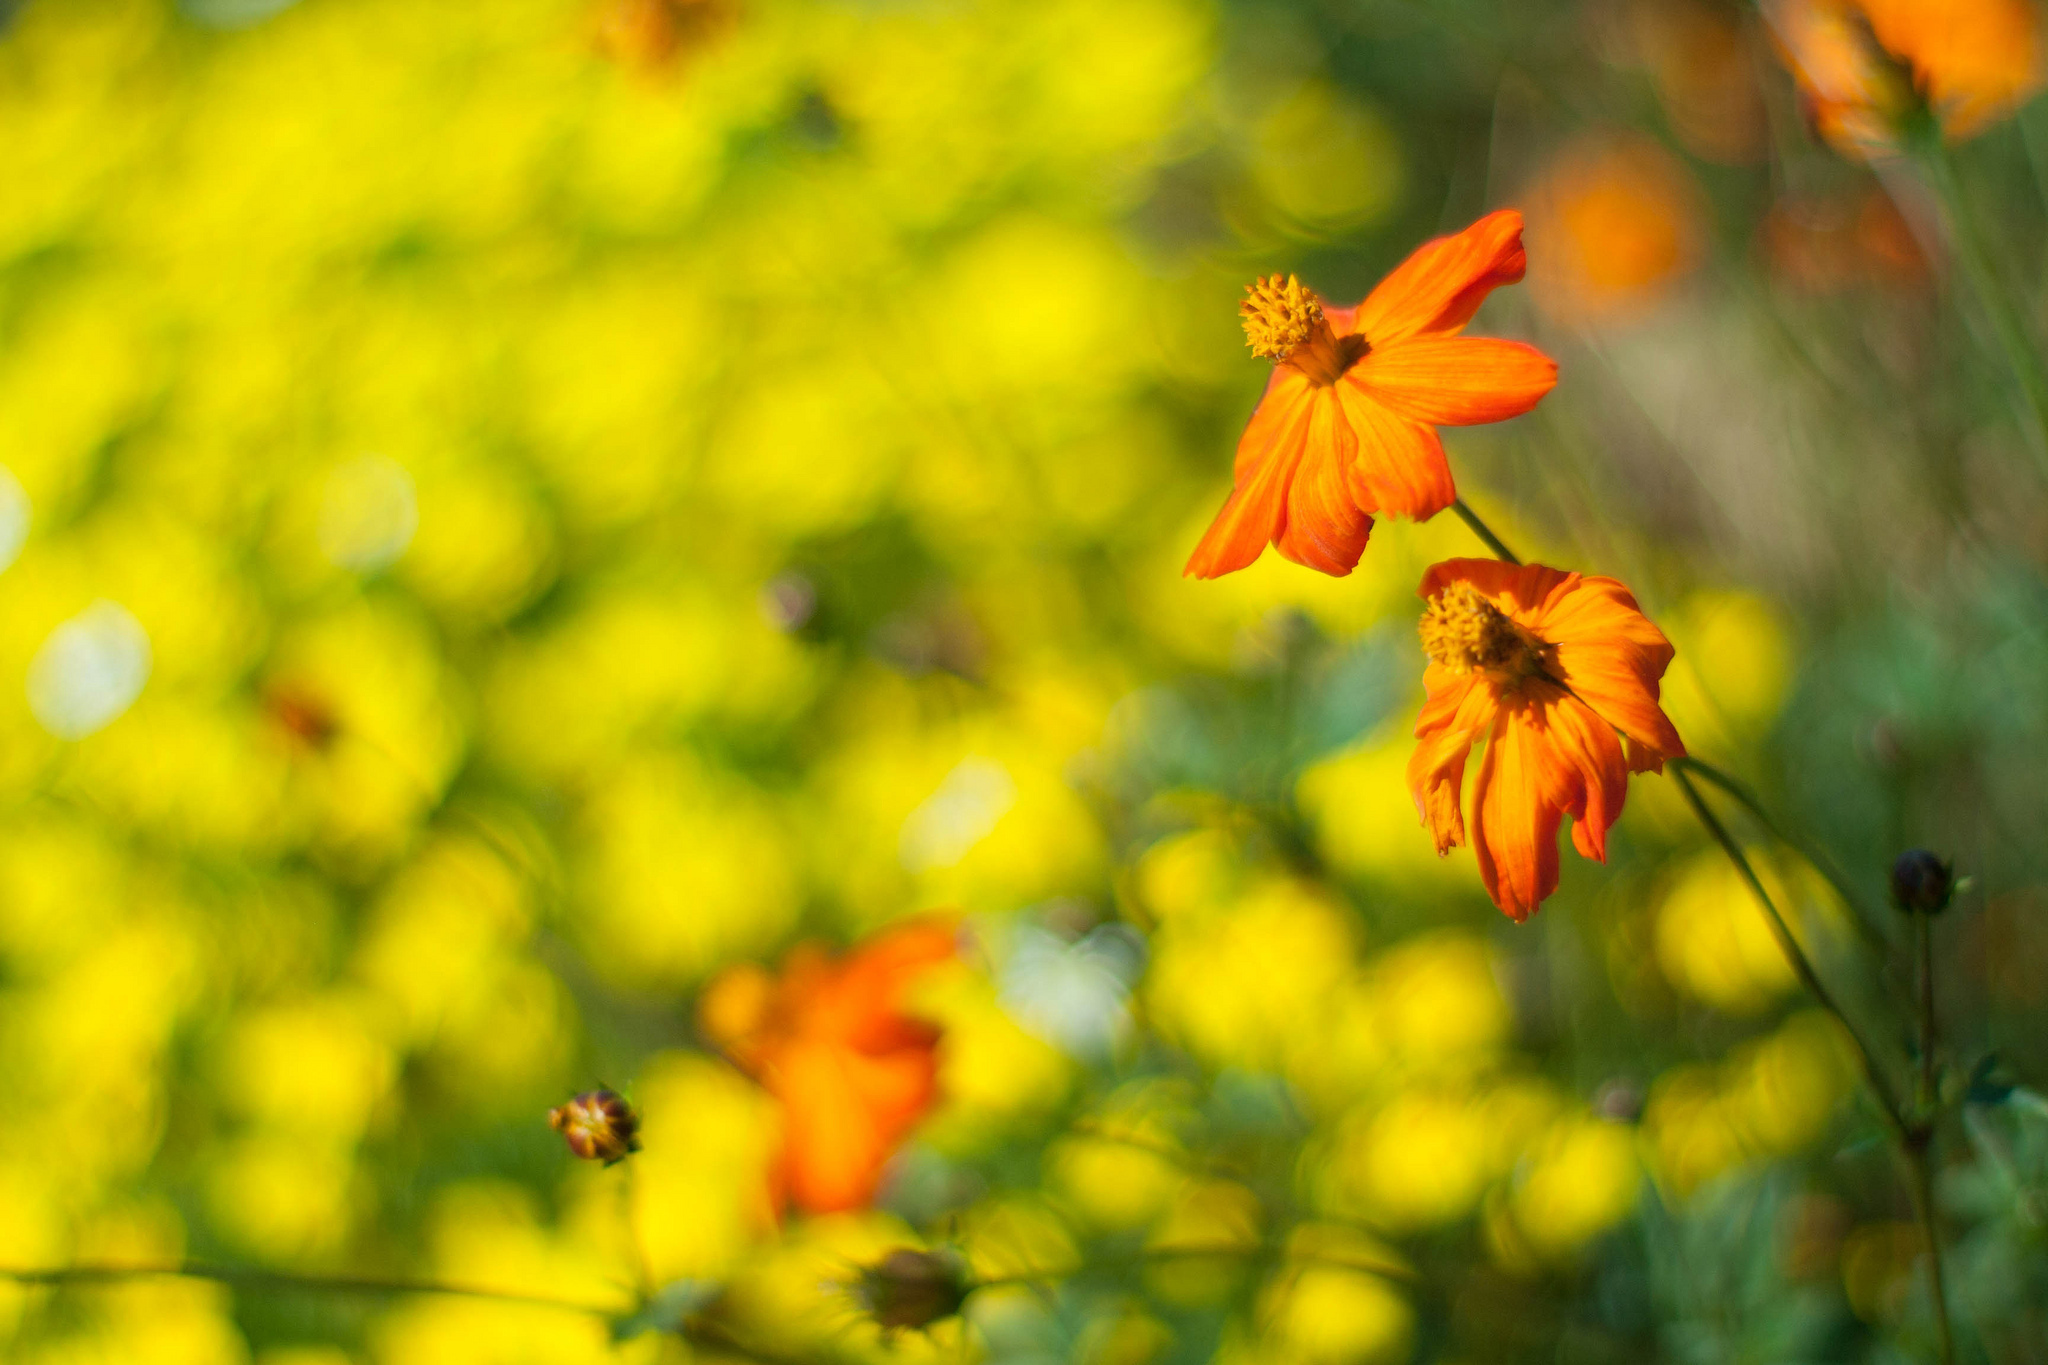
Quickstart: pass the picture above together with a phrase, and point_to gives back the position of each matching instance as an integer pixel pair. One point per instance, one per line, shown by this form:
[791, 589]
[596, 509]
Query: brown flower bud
[598, 1125]
[911, 1288]
[1922, 883]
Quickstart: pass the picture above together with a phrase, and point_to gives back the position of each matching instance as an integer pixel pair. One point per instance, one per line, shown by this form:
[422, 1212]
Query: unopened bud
[598, 1125]
[1922, 883]
[911, 1288]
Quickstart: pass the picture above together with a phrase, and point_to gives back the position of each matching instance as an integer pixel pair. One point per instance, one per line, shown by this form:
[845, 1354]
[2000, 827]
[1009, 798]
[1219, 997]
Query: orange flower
[831, 1042]
[1547, 667]
[1347, 426]
[1864, 65]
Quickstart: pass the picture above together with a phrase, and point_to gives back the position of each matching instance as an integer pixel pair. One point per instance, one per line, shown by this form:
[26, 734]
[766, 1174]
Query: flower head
[598, 1125]
[1347, 426]
[1865, 67]
[1922, 882]
[912, 1288]
[1558, 674]
[832, 1042]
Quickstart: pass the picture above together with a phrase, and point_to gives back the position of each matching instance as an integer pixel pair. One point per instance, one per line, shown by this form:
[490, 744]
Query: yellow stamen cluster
[1466, 633]
[1280, 315]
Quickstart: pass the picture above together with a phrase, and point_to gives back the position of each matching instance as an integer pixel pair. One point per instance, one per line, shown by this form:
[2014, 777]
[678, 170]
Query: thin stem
[2021, 355]
[643, 1266]
[1484, 532]
[1919, 1144]
[1822, 861]
[1794, 954]
[281, 1279]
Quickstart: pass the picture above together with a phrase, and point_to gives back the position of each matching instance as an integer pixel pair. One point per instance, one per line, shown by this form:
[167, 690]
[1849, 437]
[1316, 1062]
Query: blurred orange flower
[1614, 222]
[656, 35]
[1864, 65]
[1347, 426]
[831, 1041]
[1547, 667]
[1699, 57]
[1820, 244]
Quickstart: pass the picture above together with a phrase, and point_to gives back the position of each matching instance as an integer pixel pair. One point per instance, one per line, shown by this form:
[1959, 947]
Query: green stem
[281, 1279]
[1813, 853]
[1919, 1145]
[2021, 355]
[1484, 532]
[1802, 966]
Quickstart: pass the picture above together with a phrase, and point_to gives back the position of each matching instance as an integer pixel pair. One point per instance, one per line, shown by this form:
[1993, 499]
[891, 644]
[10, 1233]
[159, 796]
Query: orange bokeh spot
[1612, 224]
[832, 1041]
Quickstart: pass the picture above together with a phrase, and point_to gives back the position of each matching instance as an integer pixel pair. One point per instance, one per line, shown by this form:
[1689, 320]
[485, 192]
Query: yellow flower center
[1280, 315]
[1466, 633]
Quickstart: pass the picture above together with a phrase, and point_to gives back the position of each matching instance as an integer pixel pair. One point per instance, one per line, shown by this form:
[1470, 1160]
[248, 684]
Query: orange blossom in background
[1616, 221]
[1863, 65]
[1347, 426]
[1546, 667]
[831, 1041]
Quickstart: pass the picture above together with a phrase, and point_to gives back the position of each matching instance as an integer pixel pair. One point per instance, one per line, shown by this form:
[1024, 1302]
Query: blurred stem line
[1822, 861]
[1802, 966]
[1386, 1270]
[1919, 1143]
[2021, 354]
[280, 1279]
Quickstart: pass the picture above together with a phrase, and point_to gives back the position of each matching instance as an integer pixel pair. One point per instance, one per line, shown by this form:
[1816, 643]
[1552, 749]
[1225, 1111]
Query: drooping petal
[1516, 809]
[1612, 657]
[1589, 745]
[1456, 381]
[1458, 708]
[1399, 466]
[1255, 513]
[1326, 529]
[1439, 287]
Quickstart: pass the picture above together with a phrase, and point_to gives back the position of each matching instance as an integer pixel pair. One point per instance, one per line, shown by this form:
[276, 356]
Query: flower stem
[2021, 354]
[1918, 1146]
[1484, 532]
[1806, 848]
[1802, 966]
[281, 1279]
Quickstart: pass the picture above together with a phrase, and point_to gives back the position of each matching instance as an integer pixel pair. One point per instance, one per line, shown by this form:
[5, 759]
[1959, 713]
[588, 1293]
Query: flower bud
[911, 1288]
[1922, 883]
[598, 1125]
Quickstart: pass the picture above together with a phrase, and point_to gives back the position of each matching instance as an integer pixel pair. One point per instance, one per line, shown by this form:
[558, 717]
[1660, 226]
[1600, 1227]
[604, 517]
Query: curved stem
[281, 1279]
[1822, 861]
[1484, 532]
[1794, 954]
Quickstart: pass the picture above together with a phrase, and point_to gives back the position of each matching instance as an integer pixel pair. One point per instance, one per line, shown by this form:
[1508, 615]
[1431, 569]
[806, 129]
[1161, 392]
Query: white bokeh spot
[89, 671]
[368, 514]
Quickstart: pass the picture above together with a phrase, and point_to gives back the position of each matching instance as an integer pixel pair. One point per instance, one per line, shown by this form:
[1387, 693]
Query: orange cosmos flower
[1863, 66]
[1347, 426]
[1546, 666]
[831, 1042]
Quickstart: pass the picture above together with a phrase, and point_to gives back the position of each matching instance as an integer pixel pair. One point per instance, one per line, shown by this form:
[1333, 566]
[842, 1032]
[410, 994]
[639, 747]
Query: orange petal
[1440, 286]
[1612, 657]
[843, 1115]
[1256, 512]
[1588, 743]
[1399, 467]
[1458, 708]
[1516, 811]
[1456, 381]
[1326, 529]
[1521, 590]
